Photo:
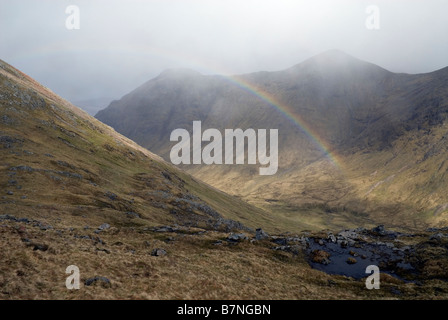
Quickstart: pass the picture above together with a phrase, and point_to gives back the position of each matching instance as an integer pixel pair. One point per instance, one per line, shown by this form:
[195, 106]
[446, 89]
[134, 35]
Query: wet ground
[408, 257]
[352, 261]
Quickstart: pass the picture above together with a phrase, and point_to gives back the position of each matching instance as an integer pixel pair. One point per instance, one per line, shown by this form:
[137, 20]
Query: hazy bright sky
[123, 43]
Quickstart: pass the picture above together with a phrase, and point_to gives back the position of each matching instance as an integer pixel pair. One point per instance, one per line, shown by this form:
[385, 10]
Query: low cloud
[123, 43]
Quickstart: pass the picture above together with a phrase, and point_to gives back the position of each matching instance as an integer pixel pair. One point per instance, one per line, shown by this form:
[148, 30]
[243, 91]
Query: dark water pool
[389, 259]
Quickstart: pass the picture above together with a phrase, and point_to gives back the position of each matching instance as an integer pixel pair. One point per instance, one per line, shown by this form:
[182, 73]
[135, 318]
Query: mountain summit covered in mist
[356, 141]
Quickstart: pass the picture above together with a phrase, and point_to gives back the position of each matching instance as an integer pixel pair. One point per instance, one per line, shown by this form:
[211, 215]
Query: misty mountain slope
[60, 163]
[370, 119]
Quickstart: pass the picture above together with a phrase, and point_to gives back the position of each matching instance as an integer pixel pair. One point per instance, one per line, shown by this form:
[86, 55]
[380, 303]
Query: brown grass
[194, 268]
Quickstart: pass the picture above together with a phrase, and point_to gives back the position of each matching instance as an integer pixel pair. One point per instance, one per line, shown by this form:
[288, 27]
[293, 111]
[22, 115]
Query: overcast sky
[122, 43]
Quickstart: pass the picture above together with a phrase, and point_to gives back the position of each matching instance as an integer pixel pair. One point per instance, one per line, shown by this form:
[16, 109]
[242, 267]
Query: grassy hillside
[57, 161]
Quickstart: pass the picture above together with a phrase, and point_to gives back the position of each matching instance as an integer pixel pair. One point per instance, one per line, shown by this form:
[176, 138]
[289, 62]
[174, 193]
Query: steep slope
[60, 163]
[350, 119]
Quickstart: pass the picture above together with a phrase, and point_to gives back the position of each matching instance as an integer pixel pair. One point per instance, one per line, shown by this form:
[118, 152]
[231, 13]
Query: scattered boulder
[348, 234]
[170, 239]
[81, 236]
[97, 240]
[236, 237]
[331, 238]
[112, 196]
[379, 230]
[260, 234]
[280, 241]
[158, 252]
[437, 229]
[438, 236]
[164, 229]
[132, 214]
[9, 142]
[43, 226]
[382, 232]
[351, 260]
[38, 246]
[22, 168]
[102, 227]
[343, 243]
[105, 282]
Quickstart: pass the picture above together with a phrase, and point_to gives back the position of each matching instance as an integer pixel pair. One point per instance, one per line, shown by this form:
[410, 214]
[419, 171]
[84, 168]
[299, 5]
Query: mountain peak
[335, 61]
[179, 73]
[333, 56]
[335, 53]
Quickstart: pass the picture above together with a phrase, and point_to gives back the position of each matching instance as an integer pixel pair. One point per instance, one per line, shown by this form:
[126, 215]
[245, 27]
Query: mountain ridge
[357, 110]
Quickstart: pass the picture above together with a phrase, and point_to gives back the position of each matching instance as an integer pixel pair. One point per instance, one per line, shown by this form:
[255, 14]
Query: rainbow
[289, 113]
[208, 67]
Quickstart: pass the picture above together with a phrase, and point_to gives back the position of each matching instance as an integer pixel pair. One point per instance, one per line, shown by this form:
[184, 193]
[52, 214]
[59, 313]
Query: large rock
[379, 230]
[158, 252]
[331, 237]
[236, 237]
[260, 234]
[348, 234]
